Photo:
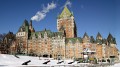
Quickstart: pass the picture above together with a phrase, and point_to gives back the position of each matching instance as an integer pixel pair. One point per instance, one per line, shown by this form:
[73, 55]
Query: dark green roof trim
[92, 40]
[25, 23]
[104, 41]
[99, 41]
[111, 39]
[57, 34]
[49, 33]
[73, 40]
[24, 27]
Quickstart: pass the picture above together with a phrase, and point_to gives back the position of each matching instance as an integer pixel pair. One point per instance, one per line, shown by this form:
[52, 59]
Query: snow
[12, 61]
[116, 65]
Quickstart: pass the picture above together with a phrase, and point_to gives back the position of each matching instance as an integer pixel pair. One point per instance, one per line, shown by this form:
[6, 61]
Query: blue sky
[91, 16]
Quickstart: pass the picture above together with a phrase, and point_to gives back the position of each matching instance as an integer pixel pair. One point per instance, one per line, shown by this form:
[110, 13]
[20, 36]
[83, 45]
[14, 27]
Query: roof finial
[45, 29]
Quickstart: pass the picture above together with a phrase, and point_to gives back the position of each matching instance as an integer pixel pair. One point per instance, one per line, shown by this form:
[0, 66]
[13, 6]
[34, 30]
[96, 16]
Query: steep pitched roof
[85, 35]
[10, 35]
[109, 36]
[111, 39]
[73, 40]
[24, 27]
[99, 35]
[65, 11]
[25, 23]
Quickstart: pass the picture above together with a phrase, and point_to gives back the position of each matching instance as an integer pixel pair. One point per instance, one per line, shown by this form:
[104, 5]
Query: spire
[111, 39]
[30, 22]
[45, 29]
[25, 23]
[109, 36]
[99, 36]
[66, 12]
[86, 38]
[24, 27]
[85, 35]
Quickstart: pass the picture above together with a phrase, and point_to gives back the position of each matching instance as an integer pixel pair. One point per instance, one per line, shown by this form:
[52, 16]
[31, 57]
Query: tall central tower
[66, 23]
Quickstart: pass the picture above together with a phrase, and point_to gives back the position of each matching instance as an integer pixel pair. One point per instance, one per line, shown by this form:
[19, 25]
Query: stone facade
[66, 23]
[63, 44]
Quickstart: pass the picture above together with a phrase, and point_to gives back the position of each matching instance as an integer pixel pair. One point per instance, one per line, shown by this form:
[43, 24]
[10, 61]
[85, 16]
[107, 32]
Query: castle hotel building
[64, 44]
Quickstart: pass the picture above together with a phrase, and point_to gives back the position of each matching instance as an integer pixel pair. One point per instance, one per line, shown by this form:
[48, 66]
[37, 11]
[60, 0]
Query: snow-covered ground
[12, 61]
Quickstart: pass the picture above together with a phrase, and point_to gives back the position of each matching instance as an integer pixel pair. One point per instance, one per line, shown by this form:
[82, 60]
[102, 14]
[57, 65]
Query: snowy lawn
[15, 61]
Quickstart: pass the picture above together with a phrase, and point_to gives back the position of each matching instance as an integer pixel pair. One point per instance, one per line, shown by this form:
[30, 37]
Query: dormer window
[39, 35]
[77, 41]
[70, 42]
[58, 36]
[45, 35]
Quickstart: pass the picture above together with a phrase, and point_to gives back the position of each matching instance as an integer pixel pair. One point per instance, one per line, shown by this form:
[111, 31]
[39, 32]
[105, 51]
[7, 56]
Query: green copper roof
[73, 40]
[24, 27]
[49, 33]
[100, 42]
[57, 33]
[65, 11]
[25, 23]
[111, 39]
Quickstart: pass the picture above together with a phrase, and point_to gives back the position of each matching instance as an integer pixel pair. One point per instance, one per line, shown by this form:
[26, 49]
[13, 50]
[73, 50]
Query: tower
[31, 27]
[99, 37]
[66, 23]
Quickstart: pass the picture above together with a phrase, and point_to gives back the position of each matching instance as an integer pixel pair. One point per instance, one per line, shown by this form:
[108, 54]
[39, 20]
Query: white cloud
[68, 3]
[42, 14]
